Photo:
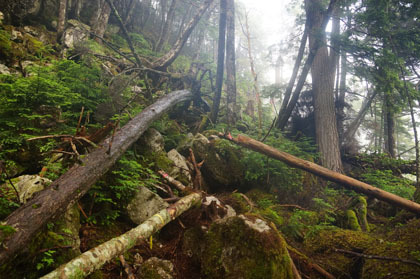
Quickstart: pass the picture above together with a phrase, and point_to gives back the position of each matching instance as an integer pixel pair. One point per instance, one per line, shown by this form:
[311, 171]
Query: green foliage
[46, 260]
[112, 193]
[385, 180]
[47, 101]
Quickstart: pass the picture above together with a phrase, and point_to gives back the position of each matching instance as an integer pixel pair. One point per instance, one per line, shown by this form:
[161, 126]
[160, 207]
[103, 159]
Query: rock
[29, 185]
[31, 31]
[153, 141]
[200, 146]
[180, 171]
[155, 268]
[244, 247]
[16, 36]
[1, 17]
[144, 205]
[36, 6]
[25, 64]
[75, 33]
[4, 70]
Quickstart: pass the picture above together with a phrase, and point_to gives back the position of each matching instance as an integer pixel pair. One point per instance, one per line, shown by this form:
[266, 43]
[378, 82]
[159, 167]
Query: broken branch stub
[71, 186]
[93, 259]
[327, 174]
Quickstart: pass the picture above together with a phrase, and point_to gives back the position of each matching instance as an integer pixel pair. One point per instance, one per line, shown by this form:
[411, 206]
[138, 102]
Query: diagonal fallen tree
[71, 186]
[327, 174]
[93, 259]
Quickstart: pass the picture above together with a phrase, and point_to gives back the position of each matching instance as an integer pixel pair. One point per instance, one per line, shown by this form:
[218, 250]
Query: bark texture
[71, 186]
[230, 63]
[62, 12]
[220, 61]
[100, 18]
[163, 39]
[93, 259]
[330, 175]
[323, 77]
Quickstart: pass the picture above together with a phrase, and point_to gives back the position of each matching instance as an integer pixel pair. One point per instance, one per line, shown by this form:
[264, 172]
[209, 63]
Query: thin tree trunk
[163, 62]
[71, 186]
[325, 173]
[62, 13]
[389, 128]
[93, 259]
[130, 11]
[220, 61]
[254, 73]
[355, 124]
[230, 63]
[163, 39]
[282, 113]
[342, 96]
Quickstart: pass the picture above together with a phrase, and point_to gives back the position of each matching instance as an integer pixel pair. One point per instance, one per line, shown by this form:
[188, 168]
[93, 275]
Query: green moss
[272, 216]
[360, 207]
[352, 222]
[234, 250]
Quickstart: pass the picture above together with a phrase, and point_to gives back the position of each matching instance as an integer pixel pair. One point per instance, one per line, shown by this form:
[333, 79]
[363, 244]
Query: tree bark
[99, 21]
[325, 173]
[220, 61]
[163, 62]
[281, 123]
[71, 186]
[230, 63]
[62, 13]
[93, 259]
[282, 113]
[163, 38]
[254, 73]
[389, 128]
[323, 76]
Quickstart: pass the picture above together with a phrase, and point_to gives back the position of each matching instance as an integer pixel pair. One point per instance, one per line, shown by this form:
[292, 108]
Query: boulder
[153, 141]
[4, 70]
[180, 171]
[1, 17]
[244, 247]
[75, 33]
[144, 205]
[156, 268]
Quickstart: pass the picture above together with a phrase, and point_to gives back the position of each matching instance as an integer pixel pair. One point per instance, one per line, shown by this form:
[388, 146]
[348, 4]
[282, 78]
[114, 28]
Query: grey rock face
[29, 185]
[153, 140]
[156, 268]
[181, 167]
[144, 205]
[75, 33]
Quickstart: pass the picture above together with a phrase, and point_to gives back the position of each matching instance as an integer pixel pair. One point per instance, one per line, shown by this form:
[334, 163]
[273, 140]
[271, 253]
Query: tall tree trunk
[76, 8]
[254, 73]
[389, 128]
[342, 96]
[100, 18]
[130, 11]
[163, 39]
[230, 63]
[163, 62]
[323, 73]
[62, 13]
[283, 117]
[51, 203]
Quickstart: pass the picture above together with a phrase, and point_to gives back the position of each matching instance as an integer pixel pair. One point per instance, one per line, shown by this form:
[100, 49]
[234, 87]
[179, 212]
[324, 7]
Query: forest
[171, 139]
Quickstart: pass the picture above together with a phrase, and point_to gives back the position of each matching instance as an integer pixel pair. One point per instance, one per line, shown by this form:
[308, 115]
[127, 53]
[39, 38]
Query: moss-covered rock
[244, 247]
[155, 268]
[352, 222]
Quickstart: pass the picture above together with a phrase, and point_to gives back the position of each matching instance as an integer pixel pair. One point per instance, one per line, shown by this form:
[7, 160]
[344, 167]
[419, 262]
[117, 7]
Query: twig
[81, 210]
[172, 181]
[112, 137]
[291, 205]
[250, 203]
[173, 199]
[375, 257]
[127, 268]
[269, 131]
[54, 248]
[3, 169]
[198, 177]
[80, 120]
[63, 152]
[302, 259]
[91, 204]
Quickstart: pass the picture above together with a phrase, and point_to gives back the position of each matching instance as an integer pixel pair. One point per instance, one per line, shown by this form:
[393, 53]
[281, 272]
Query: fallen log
[93, 259]
[325, 173]
[71, 186]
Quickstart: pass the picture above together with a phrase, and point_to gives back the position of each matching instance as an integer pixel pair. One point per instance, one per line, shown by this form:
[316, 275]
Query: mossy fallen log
[327, 174]
[93, 259]
[71, 186]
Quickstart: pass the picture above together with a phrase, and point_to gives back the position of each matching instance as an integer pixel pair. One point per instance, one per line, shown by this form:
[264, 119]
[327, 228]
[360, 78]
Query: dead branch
[127, 268]
[375, 257]
[172, 181]
[52, 202]
[304, 260]
[93, 259]
[325, 173]
[198, 180]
